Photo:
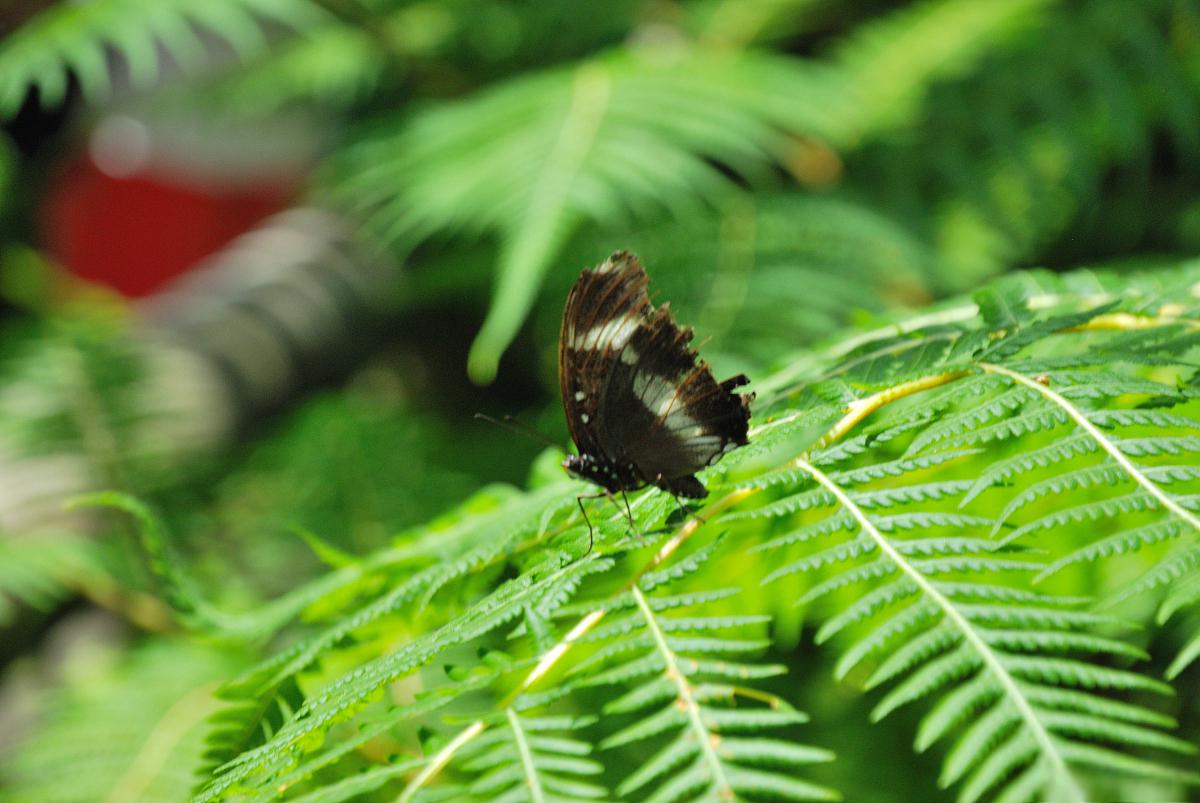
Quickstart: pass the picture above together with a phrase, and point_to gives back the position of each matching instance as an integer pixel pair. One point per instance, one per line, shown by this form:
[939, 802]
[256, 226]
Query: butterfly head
[586, 467]
[580, 466]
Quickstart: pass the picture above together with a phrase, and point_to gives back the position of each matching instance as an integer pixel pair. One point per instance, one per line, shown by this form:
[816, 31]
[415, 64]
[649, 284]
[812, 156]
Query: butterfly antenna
[520, 427]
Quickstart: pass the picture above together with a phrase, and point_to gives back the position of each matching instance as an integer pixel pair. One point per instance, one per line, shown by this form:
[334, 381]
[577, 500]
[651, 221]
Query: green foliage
[35, 571]
[780, 268]
[984, 511]
[618, 137]
[133, 727]
[73, 40]
[531, 160]
[685, 677]
[991, 649]
[1075, 110]
[527, 758]
[884, 536]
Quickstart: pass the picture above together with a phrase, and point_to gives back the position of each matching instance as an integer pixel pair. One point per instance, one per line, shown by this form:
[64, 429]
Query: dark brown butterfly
[639, 407]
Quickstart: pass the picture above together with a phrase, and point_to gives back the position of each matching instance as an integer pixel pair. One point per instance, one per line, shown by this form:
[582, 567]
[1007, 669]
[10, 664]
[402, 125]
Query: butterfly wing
[636, 400]
[670, 412]
[605, 306]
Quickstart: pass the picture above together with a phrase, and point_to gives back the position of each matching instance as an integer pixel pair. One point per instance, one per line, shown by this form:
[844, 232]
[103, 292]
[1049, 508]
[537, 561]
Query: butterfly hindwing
[669, 411]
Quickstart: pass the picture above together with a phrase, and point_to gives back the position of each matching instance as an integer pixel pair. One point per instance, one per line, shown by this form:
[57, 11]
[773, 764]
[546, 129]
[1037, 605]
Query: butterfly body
[640, 409]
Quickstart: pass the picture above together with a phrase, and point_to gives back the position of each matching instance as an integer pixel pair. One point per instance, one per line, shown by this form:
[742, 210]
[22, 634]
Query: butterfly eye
[573, 465]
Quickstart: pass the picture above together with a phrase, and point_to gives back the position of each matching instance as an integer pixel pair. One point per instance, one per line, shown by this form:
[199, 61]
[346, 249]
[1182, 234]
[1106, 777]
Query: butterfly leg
[627, 512]
[686, 512]
[629, 515]
[591, 536]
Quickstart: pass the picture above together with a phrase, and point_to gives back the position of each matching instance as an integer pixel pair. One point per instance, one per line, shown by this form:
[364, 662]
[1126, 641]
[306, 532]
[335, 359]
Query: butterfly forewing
[603, 308]
[639, 407]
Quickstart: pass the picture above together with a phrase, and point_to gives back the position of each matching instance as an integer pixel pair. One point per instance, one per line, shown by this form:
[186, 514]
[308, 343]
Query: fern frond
[1042, 457]
[331, 65]
[1122, 542]
[916, 492]
[971, 418]
[35, 571]
[375, 725]
[531, 160]
[1111, 508]
[531, 759]
[997, 656]
[880, 58]
[518, 516]
[1038, 418]
[356, 786]
[681, 690]
[1179, 564]
[344, 696]
[1186, 657]
[75, 40]
[928, 607]
[1101, 384]
[1176, 512]
[1088, 477]
[672, 665]
[135, 728]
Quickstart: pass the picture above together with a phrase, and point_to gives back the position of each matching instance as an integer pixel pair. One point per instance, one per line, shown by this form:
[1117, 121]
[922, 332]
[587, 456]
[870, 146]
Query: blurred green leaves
[882, 532]
[614, 139]
[73, 40]
[131, 725]
[793, 172]
[669, 123]
[656, 126]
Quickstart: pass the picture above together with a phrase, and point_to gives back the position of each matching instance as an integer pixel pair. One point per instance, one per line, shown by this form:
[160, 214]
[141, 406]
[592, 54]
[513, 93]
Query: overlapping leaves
[917, 535]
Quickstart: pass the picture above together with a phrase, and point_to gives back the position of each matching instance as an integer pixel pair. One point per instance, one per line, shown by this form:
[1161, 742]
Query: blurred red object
[117, 215]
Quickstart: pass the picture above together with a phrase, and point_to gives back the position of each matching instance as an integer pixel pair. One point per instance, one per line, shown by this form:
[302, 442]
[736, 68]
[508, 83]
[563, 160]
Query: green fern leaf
[1186, 657]
[969, 419]
[34, 571]
[74, 40]
[983, 650]
[138, 724]
[577, 146]
[1042, 457]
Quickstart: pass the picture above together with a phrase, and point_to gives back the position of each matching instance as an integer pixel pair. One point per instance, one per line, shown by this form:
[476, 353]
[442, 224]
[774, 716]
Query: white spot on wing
[654, 391]
[629, 355]
[661, 397]
[580, 395]
[629, 325]
[610, 334]
[704, 443]
[676, 417]
[585, 418]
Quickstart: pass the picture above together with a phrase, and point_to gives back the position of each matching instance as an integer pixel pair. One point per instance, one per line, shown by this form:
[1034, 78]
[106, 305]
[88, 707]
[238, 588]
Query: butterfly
[639, 407]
